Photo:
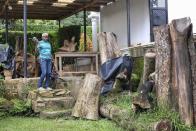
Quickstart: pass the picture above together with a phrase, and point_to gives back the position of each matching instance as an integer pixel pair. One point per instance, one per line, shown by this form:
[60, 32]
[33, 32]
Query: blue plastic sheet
[111, 68]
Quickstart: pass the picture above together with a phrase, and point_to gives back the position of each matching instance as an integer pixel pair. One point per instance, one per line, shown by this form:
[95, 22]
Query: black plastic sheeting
[110, 69]
[6, 56]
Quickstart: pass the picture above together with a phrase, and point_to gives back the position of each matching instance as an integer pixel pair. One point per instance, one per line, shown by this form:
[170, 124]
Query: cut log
[179, 30]
[192, 53]
[108, 46]
[118, 115]
[87, 103]
[149, 67]
[163, 125]
[163, 65]
[142, 100]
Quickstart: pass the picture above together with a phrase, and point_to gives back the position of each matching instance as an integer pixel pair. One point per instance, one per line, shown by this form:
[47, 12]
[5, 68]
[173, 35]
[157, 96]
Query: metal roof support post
[25, 36]
[59, 23]
[6, 24]
[85, 30]
[128, 23]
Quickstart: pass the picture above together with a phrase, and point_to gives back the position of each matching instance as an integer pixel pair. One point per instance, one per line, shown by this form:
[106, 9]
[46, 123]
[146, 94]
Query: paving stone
[55, 114]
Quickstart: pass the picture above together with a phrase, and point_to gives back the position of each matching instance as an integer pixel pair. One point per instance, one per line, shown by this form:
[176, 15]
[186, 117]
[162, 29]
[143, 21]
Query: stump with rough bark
[149, 67]
[163, 64]
[87, 101]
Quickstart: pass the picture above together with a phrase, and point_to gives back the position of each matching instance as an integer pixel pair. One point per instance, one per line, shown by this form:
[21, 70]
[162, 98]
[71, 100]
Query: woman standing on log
[45, 58]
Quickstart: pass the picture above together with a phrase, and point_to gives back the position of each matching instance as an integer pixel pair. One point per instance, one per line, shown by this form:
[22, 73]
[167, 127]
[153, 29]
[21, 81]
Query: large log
[149, 67]
[87, 101]
[192, 53]
[142, 100]
[179, 30]
[163, 65]
[117, 114]
[108, 46]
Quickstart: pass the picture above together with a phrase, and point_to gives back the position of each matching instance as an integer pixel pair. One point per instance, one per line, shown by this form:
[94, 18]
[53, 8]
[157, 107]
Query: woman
[45, 58]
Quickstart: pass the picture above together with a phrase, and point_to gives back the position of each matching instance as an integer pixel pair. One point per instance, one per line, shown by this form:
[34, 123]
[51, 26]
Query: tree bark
[108, 46]
[149, 67]
[142, 100]
[163, 125]
[181, 67]
[192, 53]
[87, 101]
[163, 64]
[118, 115]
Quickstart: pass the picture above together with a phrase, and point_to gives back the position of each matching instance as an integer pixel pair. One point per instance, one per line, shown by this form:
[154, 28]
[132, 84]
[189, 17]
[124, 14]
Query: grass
[37, 124]
[143, 121]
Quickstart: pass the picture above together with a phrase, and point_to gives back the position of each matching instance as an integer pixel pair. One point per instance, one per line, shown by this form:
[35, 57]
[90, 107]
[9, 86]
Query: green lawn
[37, 124]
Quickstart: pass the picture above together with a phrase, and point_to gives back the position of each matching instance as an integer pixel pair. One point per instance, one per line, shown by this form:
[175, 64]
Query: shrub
[2, 88]
[20, 107]
[30, 44]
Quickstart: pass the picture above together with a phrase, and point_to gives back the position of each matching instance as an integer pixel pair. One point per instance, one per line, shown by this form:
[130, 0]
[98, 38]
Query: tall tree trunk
[108, 46]
[163, 64]
[181, 64]
[87, 101]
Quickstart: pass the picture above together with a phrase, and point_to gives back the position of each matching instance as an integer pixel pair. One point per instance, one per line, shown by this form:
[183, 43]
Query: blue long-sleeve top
[44, 48]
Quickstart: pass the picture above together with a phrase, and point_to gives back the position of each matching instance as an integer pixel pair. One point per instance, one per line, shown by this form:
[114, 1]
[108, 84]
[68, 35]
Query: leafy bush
[2, 88]
[20, 107]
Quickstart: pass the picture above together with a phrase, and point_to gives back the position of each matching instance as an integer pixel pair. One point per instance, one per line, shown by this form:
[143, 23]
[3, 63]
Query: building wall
[182, 8]
[140, 21]
[114, 19]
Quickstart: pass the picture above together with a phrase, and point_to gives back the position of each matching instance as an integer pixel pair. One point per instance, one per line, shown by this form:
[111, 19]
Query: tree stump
[149, 67]
[163, 125]
[108, 46]
[87, 101]
[179, 30]
[163, 64]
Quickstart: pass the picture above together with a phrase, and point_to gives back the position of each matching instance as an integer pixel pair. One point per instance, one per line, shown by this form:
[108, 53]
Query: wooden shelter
[49, 9]
[45, 9]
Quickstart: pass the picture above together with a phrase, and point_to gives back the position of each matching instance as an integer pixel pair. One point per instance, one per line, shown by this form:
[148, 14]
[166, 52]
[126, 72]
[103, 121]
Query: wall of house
[140, 21]
[114, 19]
[182, 8]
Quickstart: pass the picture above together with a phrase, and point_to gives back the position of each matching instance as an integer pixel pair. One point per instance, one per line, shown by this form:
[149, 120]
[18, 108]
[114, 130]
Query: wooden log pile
[175, 67]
